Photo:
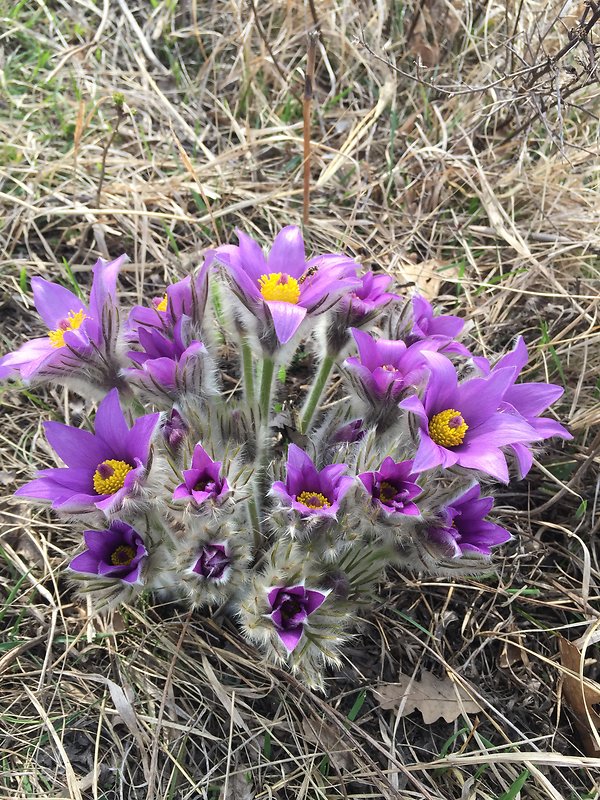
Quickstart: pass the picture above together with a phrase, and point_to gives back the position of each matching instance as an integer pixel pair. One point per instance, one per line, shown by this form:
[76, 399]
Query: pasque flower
[214, 562]
[528, 400]
[392, 487]
[103, 468]
[203, 481]
[186, 297]
[462, 528]
[283, 289]
[80, 336]
[359, 307]
[116, 553]
[463, 424]
[291, 606]
[386, 367]
[309, 491]
[167, 361]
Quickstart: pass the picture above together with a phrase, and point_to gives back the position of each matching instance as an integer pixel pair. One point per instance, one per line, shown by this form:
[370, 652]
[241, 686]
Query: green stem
[266, 385]
[253, 510]
[248, 371]
[316, 392]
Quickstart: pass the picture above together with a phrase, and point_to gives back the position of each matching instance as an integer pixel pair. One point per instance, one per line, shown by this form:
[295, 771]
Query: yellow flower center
[279, 286]
[110, 476]
[387, 492]
[162, 306]
[448, 428]
[73, 321]
[313, 500]
[122, 556]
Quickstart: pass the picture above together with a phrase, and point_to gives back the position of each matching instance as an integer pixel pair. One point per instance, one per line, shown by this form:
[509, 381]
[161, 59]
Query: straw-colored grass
[440, 153]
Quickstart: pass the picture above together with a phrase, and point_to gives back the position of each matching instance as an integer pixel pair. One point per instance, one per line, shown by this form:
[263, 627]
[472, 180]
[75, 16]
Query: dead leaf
[434, 698]
[427, 276]
[513, 652]
[580, 695]
[329, 740]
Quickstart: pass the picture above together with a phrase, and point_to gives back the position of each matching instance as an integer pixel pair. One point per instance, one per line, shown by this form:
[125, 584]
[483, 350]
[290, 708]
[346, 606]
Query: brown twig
[306, 108]
[118, 101]
[265, 38]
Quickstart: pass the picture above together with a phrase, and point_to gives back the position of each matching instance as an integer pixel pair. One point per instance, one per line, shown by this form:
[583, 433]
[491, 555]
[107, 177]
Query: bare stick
[118, 101]
[306, 107]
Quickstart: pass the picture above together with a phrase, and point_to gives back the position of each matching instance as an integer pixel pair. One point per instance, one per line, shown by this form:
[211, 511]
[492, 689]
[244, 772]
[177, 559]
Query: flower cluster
[288, 517]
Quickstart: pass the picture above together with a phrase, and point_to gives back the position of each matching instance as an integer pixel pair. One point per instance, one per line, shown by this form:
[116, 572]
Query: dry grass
[477, 177]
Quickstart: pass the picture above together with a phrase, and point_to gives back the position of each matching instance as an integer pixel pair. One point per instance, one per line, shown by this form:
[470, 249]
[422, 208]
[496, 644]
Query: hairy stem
[266, 385]
[248, 372]
[316, 392]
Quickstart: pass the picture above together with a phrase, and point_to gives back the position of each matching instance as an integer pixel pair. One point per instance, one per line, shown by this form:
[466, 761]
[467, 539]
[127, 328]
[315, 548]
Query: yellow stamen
[110, 476]
[162, 306]
[313, 500]
[387, 492]
[73, 321]
[122, 556]
[448, 428]
[279, 286]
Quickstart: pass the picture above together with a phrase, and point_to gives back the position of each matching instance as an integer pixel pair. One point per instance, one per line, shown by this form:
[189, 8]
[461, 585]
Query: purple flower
[528, 400]
[79, 335]
[103, 468]
[214, 562]
[291, 607]
[203, 481]
[309, 491]
[386, 367]
[462, 424]
[462, 528]
[168, 360]
[283, 289]
[118, 552]
[184, 298]
[174, 429]
[349, 433]
[425, 325]
[365, 300]
[393, 487]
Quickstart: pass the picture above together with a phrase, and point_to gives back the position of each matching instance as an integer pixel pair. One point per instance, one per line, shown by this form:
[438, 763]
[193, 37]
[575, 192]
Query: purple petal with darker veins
[110, 424]
[290, 638]
[479, 398]
[287, 252]
[137, 444]
[85, 562]
[162, 371]
[104, 284]
[286, 317]
[54, 302]
[28, 358]
[499, 430]
[76, 447]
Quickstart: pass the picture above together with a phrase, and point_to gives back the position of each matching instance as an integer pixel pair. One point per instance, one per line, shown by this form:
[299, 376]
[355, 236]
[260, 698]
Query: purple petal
[524, 458]
[531, 399]
[85, 562]
[287, 318]
[77, 448]
[481, 457]
[314, 599]
[54, 302]
[428, 455]
[291, 637]
[104, 284]
[110, 424]
[287, 252]
[137, 444]
[251, 257]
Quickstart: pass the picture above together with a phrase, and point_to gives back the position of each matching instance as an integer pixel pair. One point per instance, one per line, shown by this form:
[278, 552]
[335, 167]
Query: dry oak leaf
[433, 697]
[580, 697]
